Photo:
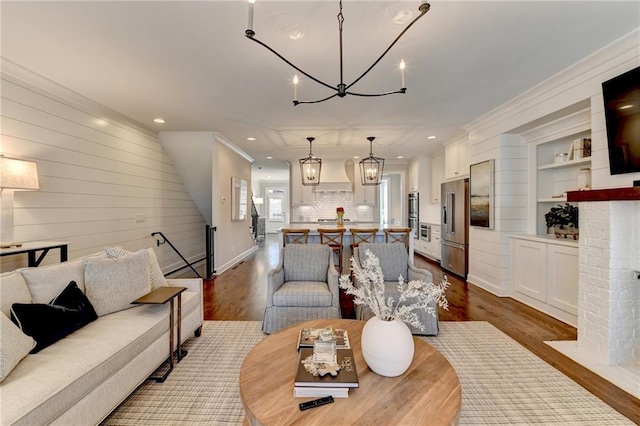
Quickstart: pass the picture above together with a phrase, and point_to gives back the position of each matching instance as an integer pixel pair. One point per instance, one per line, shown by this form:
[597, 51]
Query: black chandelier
[371, 168]
[310, 168]
[341, 89]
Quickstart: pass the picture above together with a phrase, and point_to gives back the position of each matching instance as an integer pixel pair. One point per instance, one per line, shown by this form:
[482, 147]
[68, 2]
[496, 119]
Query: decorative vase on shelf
[584, 179]
[387, 346]
[340, 221]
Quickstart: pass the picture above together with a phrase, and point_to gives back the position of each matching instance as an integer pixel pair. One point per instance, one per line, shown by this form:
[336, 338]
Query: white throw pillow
[47, 282]
[13, 289]
[155, 273]
[14, 345]
[112, 284]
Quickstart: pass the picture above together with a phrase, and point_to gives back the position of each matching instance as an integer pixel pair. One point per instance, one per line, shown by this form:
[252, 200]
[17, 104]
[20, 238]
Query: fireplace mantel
[614, 194]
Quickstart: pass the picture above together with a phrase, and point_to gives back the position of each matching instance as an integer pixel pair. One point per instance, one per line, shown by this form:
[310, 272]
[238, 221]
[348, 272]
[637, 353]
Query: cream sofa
[81, 378]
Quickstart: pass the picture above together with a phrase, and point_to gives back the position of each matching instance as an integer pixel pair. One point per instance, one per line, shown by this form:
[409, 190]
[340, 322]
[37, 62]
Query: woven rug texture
[502, 382]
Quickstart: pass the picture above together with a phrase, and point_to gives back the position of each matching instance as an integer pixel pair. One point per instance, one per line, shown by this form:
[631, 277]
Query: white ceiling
[190, 63]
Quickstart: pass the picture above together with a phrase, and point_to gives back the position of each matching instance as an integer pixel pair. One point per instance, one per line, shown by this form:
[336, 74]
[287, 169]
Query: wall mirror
[239, 199]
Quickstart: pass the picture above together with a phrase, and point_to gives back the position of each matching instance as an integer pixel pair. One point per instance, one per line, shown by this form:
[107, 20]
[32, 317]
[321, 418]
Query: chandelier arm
[314, 102]
[423, 11]
[372, 95]
[251, 37]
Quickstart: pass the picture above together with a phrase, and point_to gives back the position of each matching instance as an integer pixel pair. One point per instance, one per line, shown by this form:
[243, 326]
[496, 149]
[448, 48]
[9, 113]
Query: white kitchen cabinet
[544, 275]
[364, 195]
[437, 177]
[414, 176]
[421, 247]
[436, 247]
[301, 195]
[456, 160]
[430, 249]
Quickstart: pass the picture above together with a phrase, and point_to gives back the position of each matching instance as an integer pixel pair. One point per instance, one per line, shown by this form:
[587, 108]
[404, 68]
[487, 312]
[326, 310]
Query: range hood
[336, 176]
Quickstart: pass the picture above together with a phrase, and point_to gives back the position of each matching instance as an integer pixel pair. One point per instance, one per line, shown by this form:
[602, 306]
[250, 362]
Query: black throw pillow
[48, 323]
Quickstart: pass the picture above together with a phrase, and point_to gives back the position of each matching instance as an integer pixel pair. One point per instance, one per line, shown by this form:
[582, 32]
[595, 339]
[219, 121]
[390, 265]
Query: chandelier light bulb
[296, 80]
[250, 24]
[403, 65]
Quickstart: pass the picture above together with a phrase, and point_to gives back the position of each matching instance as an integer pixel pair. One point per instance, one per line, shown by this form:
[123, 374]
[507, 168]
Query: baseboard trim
[222, 268]
[486, 285]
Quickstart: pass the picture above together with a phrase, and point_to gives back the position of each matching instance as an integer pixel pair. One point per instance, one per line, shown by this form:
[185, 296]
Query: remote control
[316, 403]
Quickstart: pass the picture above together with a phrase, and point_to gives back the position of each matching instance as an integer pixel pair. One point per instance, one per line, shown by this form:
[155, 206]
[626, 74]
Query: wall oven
[425, 232]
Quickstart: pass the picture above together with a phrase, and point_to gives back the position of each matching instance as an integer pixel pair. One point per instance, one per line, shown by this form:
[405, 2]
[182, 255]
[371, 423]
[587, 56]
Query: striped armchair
[304, 286]
[394, 261]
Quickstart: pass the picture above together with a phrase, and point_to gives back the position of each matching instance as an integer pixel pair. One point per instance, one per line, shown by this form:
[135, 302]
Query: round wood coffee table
[428, 392]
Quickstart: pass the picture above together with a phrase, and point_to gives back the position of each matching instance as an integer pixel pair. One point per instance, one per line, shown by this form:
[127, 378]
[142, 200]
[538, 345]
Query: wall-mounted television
[622, 115]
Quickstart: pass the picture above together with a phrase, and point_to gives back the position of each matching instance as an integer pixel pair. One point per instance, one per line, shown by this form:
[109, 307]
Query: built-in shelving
[566, 164]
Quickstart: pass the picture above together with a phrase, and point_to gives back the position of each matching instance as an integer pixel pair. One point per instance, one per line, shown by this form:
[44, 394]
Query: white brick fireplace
[609, 288]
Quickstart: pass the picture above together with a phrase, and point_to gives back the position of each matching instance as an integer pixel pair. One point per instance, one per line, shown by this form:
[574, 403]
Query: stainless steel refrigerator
[455, 227]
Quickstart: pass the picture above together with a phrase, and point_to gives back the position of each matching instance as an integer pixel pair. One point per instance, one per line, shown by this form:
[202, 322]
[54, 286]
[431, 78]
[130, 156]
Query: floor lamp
[15, 175]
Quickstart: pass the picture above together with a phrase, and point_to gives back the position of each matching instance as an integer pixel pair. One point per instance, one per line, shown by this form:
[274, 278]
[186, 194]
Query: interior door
[274, 209]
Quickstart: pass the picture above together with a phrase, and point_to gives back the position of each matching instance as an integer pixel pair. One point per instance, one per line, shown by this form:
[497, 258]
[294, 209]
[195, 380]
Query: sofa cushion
[306, 262]
[394, 259]
[47, 282]
[155, 273]
[48, 383]
[112, 284]
[13, 289]
[14, 345]
[302, 293]
[48, 323]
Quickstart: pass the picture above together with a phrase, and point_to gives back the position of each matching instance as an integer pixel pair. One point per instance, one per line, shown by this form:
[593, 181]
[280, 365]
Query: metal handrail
[188, 264]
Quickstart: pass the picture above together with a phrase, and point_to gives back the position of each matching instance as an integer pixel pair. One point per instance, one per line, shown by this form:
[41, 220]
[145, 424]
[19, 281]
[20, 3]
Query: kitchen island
[314, 235]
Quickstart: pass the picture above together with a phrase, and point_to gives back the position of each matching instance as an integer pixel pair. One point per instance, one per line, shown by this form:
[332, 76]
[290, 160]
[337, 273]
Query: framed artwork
[481, 194]
[239, 200]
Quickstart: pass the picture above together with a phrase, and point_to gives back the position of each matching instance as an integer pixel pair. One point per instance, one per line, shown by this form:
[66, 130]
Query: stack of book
[309, 335]
[309, 385]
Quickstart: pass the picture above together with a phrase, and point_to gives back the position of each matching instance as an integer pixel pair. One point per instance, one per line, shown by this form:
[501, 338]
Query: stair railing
[188, 264]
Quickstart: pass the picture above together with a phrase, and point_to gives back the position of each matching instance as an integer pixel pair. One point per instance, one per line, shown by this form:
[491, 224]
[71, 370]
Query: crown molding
[233, 147]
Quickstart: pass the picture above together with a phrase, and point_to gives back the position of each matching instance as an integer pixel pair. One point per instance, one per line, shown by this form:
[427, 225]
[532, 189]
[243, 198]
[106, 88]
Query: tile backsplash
[325, 206]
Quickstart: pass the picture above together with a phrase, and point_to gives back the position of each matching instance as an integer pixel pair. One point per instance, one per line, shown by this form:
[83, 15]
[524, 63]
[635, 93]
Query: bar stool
[362, 235]
[397, 235]
[294, 236]
[334, 238]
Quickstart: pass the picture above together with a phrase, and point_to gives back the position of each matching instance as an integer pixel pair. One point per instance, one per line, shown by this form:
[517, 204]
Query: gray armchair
[304, 286]
[394, 262]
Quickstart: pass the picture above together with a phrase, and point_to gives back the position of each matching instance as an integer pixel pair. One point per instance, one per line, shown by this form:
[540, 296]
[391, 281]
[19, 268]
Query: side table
[160, 296]
[33, 247]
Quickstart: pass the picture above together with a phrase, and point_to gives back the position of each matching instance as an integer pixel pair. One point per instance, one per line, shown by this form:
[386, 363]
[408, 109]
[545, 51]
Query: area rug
[502, 382]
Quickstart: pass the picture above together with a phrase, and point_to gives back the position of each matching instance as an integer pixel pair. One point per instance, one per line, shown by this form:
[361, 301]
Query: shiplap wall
[97, 172]
[490, 136]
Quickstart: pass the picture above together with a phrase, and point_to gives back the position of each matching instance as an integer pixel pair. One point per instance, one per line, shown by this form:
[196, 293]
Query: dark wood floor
[239, 295]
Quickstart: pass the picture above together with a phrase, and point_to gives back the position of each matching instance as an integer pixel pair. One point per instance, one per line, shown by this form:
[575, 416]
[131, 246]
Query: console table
[33, 247]
[427, 393]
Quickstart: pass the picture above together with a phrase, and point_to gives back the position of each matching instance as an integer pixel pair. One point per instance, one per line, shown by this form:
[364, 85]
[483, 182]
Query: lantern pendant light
[310, 168]
[371, 167]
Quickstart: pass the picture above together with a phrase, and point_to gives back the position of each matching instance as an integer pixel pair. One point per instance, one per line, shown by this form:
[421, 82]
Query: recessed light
[268, 176]
[431, 137]
[356, 157]
[251, 139]
[159, 121]
[626, 107]
[399, 157]
[269, 158]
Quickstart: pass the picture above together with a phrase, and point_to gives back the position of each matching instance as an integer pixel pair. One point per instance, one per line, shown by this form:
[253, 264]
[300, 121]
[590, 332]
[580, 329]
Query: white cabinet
[414, 176]
[300, 194]
[431, 248]
[364, 195]
[437, 177]
[456, 160]
[544, 274]
[562, 275]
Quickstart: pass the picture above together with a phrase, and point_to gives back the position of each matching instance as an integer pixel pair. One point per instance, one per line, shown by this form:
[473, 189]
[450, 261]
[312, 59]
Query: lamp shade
[18, 174]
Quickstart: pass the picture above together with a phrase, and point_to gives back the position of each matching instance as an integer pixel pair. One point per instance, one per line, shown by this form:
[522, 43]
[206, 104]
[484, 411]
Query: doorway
[275, 202]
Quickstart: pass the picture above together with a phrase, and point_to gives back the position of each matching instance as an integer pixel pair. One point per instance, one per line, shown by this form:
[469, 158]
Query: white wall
[492, 136]
[97, 171]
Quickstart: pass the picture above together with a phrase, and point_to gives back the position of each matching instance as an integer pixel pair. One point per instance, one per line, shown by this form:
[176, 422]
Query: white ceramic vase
[387, 346]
